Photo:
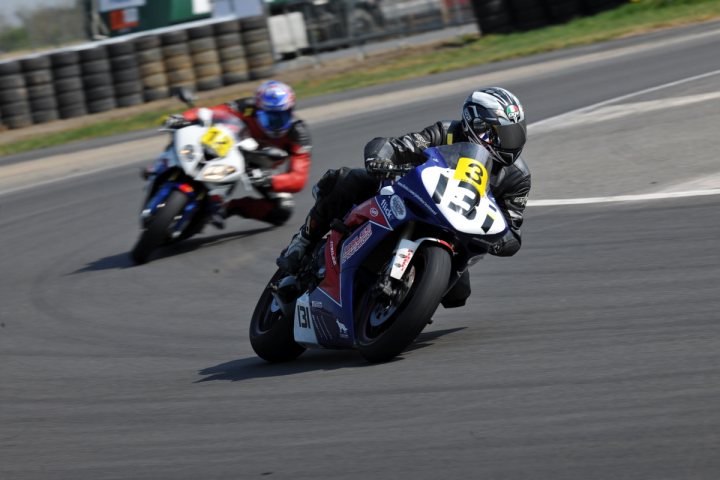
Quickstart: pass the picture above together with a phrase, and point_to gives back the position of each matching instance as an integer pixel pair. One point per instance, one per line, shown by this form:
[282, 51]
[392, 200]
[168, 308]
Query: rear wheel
[157, 231]
[386, 326]
[271, 333]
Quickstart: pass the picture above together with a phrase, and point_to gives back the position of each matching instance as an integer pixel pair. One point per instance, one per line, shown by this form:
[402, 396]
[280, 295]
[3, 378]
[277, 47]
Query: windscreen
[453, 153]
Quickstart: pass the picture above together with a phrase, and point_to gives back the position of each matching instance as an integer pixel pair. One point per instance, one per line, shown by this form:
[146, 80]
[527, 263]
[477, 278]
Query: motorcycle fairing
[458, 180]
[324, 317]
[323, 324]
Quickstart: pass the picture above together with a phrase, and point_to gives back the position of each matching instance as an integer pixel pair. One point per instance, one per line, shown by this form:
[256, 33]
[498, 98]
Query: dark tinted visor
[512, 137]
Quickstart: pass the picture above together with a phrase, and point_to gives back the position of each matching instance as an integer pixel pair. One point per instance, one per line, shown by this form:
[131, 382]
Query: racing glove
[261, 180]
[175, 121]
[380, 167]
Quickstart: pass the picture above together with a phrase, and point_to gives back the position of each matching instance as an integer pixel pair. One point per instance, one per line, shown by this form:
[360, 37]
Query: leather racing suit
[338, 190]
[290, 175]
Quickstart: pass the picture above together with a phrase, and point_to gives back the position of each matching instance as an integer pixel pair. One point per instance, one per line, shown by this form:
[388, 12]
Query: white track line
[622, 198]
[595, 106]
[618, 198]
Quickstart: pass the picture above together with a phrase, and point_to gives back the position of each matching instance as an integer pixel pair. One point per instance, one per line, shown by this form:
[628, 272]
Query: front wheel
[385, 327]
[157, 231]
[271, 333]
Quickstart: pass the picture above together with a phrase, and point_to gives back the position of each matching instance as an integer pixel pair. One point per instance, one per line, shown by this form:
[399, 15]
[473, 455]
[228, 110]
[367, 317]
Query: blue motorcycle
[376, 279]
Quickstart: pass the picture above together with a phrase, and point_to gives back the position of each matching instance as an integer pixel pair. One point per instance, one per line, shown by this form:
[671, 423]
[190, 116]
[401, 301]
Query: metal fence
[50, 25]
[308, 26]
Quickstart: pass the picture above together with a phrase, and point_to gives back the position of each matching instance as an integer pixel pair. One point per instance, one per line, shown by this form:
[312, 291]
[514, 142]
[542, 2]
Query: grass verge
[636, 17]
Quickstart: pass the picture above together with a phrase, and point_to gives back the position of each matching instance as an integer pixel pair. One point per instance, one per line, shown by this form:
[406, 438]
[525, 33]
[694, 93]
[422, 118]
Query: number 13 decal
[473, 178]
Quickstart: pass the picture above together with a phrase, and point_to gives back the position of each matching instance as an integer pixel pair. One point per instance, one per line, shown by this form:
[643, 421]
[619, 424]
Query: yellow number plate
[218, 141]
[472, 172]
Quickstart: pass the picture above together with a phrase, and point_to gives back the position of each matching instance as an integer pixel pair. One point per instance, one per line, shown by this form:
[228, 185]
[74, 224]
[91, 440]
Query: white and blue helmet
[274, 102]
[494, 118]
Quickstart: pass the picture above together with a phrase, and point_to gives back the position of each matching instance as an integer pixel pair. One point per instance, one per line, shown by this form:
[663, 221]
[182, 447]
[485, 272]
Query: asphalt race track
[592, 354]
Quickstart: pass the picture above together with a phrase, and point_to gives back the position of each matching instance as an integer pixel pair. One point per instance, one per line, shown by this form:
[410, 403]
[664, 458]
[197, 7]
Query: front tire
[426, 278]
[157, 231]
[271, 334]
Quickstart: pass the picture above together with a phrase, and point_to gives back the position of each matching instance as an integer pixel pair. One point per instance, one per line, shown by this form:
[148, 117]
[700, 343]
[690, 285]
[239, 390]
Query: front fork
[158, 201]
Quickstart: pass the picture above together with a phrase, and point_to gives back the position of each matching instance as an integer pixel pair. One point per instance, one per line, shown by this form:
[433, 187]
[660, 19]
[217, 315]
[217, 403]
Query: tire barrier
[258, 46]
[504, 16]
[177, 59]
[41, 92]
[231, 52]
[14, 96]
[151, 67]
[68, 84]
[142, 67]
[205, 58]
[97, 79]
[125, 73]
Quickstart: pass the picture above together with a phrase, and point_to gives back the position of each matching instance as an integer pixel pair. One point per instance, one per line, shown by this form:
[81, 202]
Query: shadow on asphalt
[311, 360]
[123, 260]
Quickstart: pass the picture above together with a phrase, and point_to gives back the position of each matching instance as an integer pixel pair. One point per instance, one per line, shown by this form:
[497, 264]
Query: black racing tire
[156, 232]
[271, 334]
[427, 275]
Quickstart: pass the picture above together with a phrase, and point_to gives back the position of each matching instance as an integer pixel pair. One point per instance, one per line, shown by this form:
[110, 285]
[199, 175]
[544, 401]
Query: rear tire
[156, 233]
[271, 334]
[431, 266]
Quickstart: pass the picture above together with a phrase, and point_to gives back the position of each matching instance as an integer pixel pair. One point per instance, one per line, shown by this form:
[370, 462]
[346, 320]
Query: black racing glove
[381, 167]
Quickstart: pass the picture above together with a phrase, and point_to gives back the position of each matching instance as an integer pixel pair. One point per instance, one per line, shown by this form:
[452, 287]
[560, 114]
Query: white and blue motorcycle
[375, 281]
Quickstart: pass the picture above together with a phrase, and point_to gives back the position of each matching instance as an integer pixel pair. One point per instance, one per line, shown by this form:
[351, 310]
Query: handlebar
[390, 170]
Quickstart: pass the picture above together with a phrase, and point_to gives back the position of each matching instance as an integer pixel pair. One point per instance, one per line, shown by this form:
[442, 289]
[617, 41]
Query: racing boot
[302, 242]
[291, 258]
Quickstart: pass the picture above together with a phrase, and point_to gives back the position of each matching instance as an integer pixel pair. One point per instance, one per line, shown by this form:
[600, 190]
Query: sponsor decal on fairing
[354, 245]
[397, 206]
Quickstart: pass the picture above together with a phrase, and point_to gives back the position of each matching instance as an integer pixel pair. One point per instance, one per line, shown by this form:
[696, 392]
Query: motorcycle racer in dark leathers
[491, 117]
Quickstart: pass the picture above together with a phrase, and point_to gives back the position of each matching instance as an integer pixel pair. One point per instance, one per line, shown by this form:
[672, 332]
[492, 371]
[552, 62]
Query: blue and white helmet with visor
[494, 118]
[274, 101]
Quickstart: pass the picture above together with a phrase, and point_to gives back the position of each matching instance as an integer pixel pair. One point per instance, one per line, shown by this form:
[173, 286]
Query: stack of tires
[561, 11]
[205, 58]
[231, 52]
[590, 7]
[41, 93]
[258, 47]
[125, 74]
[97, 80]
[68, 84]
[152, 68]
[178, 62]
[14, 105]
[503, 16]
[493, 16]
